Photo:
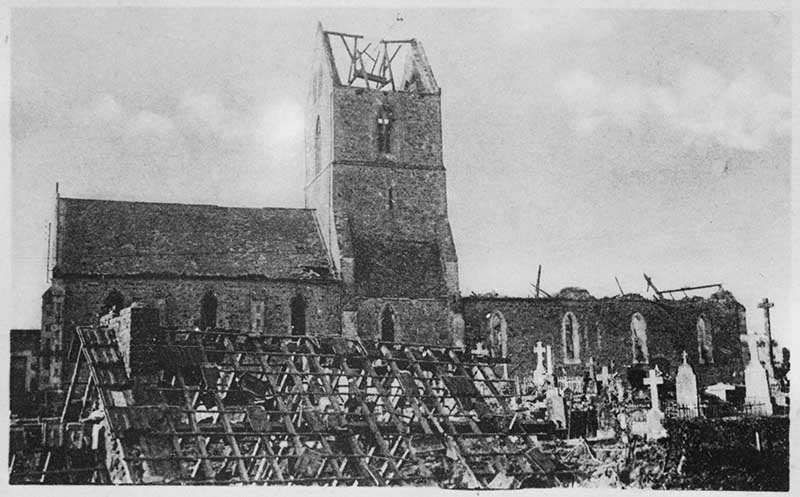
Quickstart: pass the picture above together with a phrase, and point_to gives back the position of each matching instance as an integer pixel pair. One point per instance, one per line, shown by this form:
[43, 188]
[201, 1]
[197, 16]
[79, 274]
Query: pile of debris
[224, 407]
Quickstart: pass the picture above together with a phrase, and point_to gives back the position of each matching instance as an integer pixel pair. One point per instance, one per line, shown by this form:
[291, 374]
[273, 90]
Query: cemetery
[149, 405]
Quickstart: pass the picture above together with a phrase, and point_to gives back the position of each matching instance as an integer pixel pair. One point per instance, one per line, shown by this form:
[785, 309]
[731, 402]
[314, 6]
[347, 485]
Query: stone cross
[653, 381]
[766, 305]
[684, 355]
[604, 376]
[539, 350]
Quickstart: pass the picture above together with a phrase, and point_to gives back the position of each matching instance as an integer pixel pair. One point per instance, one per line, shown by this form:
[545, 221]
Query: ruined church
[371, 255]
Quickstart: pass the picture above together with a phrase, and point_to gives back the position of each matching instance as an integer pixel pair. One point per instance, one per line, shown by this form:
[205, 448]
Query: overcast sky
[595, 143]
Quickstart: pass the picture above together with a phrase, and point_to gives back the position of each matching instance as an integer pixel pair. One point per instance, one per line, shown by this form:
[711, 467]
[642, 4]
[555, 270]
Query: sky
[597, 143]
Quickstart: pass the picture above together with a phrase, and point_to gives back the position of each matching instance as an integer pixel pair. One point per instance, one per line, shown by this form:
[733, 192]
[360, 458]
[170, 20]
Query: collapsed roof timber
[228, 407]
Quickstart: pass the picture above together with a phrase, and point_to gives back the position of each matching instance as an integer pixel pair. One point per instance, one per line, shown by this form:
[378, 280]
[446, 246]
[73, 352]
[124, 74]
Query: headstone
[555, 408]
[539, 373]
[653, 380]
[755, 380]
[655, 418]
[686, 389]
[549, 360]
[604, 377]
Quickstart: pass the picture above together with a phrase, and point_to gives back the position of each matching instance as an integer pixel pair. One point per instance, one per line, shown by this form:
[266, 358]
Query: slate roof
[103, 237]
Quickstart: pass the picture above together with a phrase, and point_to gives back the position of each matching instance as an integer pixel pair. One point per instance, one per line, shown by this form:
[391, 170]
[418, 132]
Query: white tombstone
[655, 428]
[686, 388]
[555, 408]
[539, 373]
[549, 361]
[755, 380]
[604, 377]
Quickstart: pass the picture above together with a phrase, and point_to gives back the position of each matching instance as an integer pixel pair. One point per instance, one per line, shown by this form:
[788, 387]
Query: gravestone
[686, 389]
[604, 377]
[550, 377]
[655, 418]
[755, 380]
[539, 373]
[555, 408]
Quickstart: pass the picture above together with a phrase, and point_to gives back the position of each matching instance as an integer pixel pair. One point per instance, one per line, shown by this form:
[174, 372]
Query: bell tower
[376, 179]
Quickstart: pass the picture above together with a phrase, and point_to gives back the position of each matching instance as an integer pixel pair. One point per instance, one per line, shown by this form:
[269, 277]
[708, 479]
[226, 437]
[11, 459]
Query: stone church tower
[376, 180]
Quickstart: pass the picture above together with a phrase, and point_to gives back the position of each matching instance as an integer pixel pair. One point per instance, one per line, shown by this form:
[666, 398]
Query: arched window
[639, 338]
[208, 311]
[298, 307]
[384, 129]
[317, 148]
[571, 338]
[498, 335]
[387, 324]
[705, 344]
[114, 302]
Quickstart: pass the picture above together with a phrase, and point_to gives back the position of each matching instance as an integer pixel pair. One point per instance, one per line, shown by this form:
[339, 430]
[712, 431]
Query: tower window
[384, 123]
[571, 338]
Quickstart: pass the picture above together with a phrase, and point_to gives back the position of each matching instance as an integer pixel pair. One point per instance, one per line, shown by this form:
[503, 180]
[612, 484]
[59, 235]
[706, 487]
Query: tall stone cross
[653, 381]
[539, 350]
[767, 305]
[685, 356]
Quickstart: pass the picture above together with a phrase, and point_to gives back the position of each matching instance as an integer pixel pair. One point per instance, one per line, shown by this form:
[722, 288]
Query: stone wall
[416, 320]
[605, 332]
[178, 301]
[416, 127]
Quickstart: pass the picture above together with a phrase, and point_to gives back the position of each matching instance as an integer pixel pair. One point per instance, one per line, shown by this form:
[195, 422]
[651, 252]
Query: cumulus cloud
[743, 112]
[204, 112]
[104, 112]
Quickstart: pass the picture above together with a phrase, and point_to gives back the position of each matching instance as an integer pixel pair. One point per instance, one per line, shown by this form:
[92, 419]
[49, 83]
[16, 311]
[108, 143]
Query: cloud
[149, 123]
[281, 123]
[742, 113]
[101, 111]
[205, 113]
[105, 113]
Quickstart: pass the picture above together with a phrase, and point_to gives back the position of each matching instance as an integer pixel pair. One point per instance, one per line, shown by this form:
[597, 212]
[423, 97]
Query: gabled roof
[103, 237]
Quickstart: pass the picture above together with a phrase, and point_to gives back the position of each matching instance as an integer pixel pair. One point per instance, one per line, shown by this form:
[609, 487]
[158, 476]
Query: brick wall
[605, 331]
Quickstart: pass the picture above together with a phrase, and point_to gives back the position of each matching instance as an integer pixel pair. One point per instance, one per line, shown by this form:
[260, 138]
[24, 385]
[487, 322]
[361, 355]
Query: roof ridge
[185, 204]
